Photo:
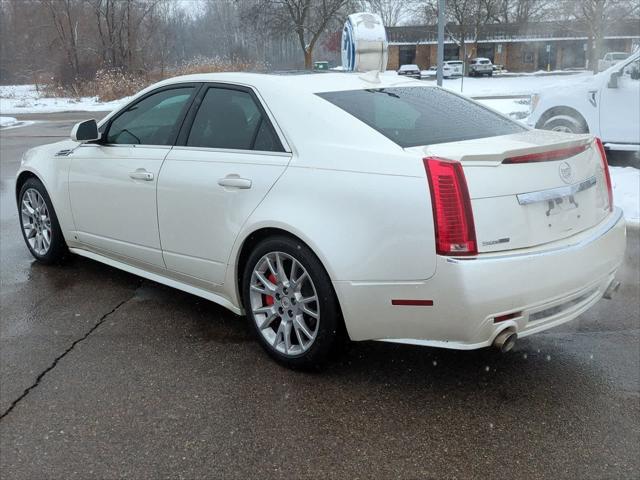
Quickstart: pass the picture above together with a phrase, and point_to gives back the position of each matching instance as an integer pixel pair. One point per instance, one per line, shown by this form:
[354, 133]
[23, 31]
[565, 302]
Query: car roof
[303, 83]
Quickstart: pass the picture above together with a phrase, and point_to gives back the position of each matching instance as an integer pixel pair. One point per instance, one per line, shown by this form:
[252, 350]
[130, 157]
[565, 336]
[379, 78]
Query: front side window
[412, 116]
[151, 121]
[229, 118]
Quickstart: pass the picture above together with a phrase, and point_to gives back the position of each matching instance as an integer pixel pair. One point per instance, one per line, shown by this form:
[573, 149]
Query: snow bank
[26, 99]
[626, 192]
[7, 121]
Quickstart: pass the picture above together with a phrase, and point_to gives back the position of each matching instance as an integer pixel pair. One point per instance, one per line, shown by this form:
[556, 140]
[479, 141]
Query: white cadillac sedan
[334, 206]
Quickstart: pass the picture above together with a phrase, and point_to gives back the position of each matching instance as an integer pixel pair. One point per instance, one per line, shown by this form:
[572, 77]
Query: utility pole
[440, 41]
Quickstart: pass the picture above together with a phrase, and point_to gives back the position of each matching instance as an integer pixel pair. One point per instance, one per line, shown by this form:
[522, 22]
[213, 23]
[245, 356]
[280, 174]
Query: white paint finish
[501, 222]
[112, 210]
[199, 218]
[467, 294]
[362, 226]
[620, 111]
[610, 113]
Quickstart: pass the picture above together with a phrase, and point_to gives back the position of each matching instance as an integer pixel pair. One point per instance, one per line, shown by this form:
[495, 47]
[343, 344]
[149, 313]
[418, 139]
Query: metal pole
[440, 41]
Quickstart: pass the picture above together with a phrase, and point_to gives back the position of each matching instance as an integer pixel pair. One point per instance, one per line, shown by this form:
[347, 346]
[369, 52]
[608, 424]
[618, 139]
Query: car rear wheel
[39, 223]
[290, 303]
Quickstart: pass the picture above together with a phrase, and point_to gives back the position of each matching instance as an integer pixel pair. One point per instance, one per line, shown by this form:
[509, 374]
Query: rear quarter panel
[363, 226]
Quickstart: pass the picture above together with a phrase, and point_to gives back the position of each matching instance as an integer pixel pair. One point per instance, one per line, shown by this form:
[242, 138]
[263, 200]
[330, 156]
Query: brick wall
[423, 56]
[393, 63]
[516, 56]
[500, 58]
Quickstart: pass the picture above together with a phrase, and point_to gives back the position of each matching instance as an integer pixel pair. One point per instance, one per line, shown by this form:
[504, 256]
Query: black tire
[57, 246]
[565, 123]
[490, 74]
[331, 334]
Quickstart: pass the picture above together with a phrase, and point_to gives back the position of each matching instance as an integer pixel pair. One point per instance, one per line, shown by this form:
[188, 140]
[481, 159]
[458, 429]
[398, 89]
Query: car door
[227, 158]
[619, 112]
[112, 183]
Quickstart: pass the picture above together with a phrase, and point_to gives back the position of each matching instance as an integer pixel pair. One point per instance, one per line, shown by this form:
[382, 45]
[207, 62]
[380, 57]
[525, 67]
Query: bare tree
[64, 14]
[118, 24]
[464, 18]
[308, 19]
[523, 11]
[594, 18]
[391, 11]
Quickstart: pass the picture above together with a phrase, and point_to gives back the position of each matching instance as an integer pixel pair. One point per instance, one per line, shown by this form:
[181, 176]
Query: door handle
[141, 174]
[235, 181]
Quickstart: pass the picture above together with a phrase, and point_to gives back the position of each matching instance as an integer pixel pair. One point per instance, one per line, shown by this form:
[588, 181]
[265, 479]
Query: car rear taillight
[605, 167]
[452, 215]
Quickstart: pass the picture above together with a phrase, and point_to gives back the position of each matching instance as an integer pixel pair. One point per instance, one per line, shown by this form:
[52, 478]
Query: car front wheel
[39, 223]
[290, 303]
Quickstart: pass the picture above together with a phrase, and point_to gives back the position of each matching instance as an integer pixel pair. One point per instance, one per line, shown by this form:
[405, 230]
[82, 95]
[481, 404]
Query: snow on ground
[626, 192]
[16, 99]
[7, 121]
[510, 85]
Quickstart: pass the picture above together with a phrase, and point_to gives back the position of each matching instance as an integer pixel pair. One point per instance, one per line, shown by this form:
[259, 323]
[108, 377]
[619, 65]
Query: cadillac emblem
[566, 172]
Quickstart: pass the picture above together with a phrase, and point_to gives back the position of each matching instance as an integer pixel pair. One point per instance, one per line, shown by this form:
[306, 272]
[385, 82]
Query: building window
[527, 57]
[407, 54]
[451, 51]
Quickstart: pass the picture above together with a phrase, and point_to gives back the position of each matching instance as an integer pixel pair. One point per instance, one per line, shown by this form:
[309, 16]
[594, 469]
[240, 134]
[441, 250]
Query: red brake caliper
[268, 299]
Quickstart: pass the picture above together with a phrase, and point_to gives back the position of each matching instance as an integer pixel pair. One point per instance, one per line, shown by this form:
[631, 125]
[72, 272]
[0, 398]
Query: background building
[518, 47]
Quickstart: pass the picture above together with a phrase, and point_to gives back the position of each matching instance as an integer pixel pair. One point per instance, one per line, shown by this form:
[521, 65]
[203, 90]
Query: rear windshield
[412, 116]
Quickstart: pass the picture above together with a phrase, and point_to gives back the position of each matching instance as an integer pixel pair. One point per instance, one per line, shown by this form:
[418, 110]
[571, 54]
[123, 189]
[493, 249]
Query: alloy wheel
[36, 221]
[284, 303]
[562, 128]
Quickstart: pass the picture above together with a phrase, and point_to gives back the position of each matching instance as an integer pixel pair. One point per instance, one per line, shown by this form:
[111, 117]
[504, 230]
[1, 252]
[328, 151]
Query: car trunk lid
[529, 188]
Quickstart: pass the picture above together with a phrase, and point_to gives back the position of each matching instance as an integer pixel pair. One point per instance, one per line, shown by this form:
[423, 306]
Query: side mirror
[613, 80]
[86, 131]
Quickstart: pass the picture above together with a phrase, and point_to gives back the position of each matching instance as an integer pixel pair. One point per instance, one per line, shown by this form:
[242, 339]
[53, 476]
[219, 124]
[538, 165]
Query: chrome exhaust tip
[505, 340]
[611, 289]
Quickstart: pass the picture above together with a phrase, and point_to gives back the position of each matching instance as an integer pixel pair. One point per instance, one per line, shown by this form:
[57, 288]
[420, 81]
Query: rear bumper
[545, 287]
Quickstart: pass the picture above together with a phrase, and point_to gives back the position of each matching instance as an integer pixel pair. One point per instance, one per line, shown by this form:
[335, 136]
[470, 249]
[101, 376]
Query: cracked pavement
[105, 375]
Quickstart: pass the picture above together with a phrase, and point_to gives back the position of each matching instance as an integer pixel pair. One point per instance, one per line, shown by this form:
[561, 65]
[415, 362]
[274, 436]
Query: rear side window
[229, 118]
[412, 116]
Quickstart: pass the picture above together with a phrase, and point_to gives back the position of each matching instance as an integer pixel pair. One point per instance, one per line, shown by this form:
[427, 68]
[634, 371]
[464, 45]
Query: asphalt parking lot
[105, 375]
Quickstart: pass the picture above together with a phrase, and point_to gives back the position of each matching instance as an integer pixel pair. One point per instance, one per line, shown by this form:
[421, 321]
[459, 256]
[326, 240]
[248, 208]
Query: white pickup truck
[606, 105]
[610, 59]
